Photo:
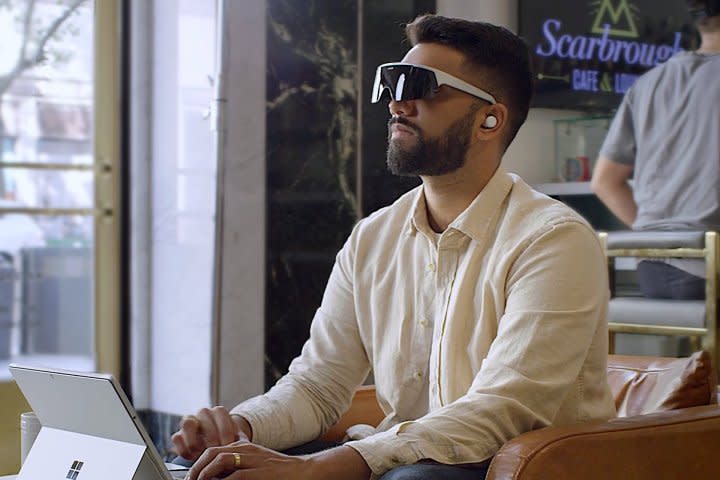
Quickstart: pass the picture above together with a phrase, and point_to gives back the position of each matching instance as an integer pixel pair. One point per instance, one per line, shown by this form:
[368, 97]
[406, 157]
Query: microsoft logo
[74, 470]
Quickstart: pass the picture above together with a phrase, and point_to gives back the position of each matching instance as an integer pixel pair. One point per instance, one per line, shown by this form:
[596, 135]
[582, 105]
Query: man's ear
[492, 121]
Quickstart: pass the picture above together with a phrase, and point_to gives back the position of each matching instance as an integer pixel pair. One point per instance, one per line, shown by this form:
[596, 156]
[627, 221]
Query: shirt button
[431, 267]
[418, 375]
[425, 322]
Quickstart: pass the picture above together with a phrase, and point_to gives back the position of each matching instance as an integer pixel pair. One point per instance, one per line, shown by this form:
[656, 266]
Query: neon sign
[603, 48]
[588, 53]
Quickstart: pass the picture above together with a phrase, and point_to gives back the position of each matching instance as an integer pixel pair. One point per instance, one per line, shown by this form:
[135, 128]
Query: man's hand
[211, 427]
[247, 461]
[255, 462]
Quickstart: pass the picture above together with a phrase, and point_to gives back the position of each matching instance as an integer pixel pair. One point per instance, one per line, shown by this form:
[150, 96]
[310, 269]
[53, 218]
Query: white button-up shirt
[494, 328]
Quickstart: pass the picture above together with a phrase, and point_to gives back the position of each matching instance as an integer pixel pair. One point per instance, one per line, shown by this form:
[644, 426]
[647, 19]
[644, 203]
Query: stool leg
[611, 342]
[696, 343]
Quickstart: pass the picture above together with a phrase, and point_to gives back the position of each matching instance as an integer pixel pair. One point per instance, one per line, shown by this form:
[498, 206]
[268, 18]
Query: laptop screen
[90, 404]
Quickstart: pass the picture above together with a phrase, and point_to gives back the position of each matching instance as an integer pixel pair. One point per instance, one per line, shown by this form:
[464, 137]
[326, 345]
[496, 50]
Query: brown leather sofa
[668, 427]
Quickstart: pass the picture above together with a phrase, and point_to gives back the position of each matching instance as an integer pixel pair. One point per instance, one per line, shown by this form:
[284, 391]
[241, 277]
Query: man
[478, 303]
[666, 134]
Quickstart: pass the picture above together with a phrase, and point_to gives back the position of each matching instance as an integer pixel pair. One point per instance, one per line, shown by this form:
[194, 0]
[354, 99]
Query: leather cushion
[643, 385]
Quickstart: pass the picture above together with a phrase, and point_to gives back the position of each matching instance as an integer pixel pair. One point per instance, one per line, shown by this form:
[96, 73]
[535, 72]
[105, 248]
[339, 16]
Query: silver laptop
[89, 429]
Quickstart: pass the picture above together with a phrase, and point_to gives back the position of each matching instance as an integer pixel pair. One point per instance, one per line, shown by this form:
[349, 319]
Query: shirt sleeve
[320, 382]
[556, 305]
[619, 144]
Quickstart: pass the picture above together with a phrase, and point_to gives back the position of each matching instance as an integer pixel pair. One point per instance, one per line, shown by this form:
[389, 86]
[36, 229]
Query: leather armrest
[363, 409]
[672, 444]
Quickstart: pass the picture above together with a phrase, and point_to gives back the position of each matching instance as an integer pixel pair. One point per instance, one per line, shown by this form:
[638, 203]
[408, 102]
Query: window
[50, 213]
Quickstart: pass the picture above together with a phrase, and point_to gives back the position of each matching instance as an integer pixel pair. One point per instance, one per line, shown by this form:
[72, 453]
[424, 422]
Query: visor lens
[403, 82]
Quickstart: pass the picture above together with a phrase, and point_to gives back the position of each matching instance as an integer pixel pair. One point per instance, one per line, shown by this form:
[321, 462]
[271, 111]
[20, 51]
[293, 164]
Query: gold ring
[237, 460]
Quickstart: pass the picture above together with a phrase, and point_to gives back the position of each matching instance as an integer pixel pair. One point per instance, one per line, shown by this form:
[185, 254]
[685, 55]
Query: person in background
[479, 304]
[666, 136]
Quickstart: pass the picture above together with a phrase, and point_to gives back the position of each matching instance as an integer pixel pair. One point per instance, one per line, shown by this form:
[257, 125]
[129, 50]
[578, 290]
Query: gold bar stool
[696, 319]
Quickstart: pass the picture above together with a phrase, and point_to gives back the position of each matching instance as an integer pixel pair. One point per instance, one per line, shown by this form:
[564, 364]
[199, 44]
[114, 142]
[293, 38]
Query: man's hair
[497, 55]
[706, 14]
[708, 24]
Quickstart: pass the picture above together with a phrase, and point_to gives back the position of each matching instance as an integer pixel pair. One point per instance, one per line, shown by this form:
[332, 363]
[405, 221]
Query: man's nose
[401, 108]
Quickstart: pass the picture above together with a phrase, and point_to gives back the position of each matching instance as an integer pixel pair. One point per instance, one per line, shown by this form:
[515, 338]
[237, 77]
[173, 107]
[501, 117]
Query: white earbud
[490, 122]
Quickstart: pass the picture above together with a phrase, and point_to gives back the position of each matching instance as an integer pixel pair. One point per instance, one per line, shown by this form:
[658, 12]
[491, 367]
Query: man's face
[411, 153]
[432, 136]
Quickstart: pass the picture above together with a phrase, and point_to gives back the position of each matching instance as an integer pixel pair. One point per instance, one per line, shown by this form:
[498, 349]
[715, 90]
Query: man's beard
[433, 156]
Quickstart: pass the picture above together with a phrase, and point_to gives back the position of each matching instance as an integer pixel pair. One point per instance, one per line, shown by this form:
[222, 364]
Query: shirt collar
[476, 219]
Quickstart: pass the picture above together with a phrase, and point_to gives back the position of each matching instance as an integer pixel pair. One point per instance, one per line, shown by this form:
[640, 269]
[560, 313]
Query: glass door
[59, 192]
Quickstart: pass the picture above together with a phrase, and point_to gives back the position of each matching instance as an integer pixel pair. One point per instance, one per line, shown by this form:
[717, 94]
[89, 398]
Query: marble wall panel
[316, 70]
[311, 161]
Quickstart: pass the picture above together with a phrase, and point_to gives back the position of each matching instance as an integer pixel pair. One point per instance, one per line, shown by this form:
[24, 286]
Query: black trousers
[660, 280]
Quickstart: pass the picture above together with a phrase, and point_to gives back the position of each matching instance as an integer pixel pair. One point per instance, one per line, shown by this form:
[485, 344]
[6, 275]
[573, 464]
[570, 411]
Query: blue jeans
[418, 471]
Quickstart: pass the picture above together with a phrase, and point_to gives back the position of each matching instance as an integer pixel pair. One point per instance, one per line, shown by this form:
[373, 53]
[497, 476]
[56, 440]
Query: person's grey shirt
[668, 128]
